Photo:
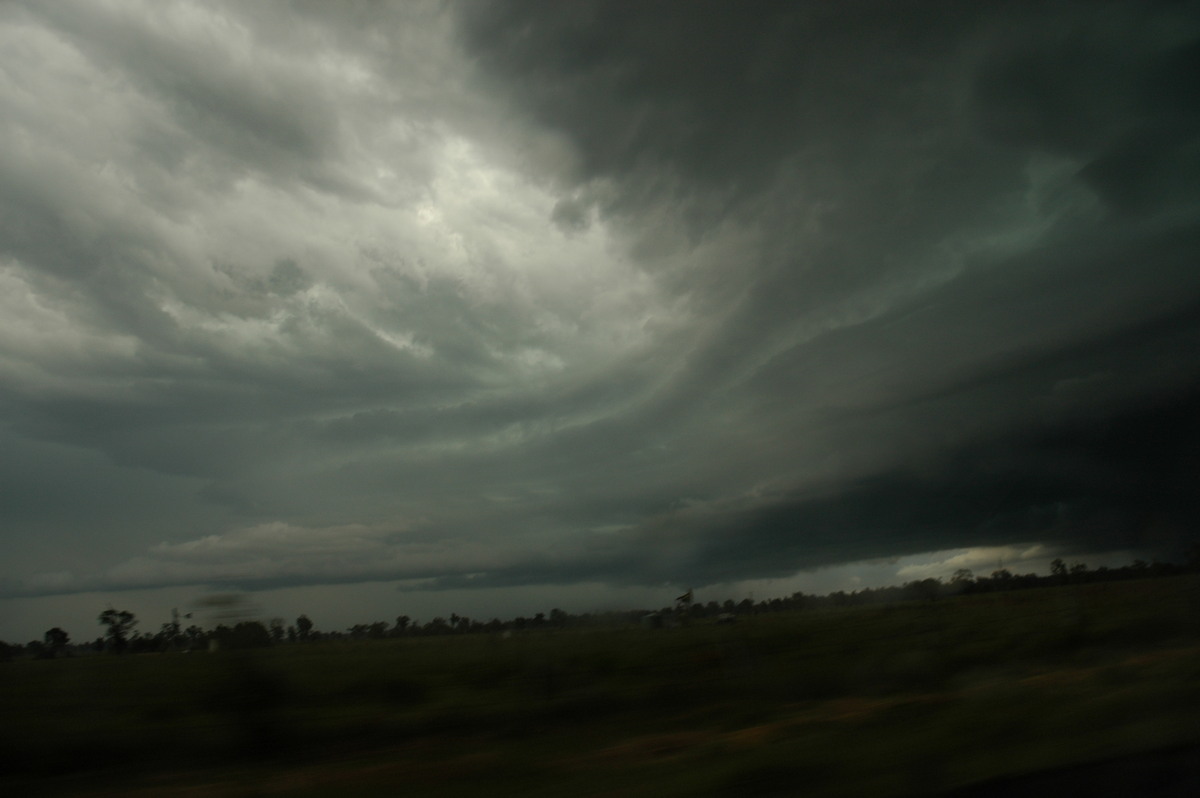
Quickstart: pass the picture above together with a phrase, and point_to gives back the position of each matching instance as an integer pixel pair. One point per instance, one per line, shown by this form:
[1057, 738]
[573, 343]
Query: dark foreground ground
[1091, 690]
[1169, 773]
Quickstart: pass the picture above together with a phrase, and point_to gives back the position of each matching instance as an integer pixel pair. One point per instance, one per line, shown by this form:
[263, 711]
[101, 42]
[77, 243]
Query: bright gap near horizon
[337, 607]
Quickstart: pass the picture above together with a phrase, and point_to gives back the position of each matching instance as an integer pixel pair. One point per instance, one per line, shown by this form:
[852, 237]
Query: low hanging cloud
[277, 553]
[514, 294]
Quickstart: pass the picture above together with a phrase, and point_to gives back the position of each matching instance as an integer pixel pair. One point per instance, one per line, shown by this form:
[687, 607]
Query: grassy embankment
[889, 700]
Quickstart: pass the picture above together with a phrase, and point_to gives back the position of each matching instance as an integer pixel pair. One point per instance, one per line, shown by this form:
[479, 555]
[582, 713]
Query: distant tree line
[120, 637]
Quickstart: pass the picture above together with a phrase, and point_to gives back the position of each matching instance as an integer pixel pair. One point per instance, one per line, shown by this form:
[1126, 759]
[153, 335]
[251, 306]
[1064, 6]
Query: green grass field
[889, 700]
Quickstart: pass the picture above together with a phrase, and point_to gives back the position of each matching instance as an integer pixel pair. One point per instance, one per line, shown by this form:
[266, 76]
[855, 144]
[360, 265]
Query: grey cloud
[927, 224]
[1112, 93]
[571, 215]
[252, 108]
[287, 278]
[512, 293]
[1068, 487]
[718, 92]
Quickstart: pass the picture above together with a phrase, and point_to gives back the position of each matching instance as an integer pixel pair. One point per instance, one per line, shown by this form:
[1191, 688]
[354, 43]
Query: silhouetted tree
[304, 627]
[402, 622]
[245, 634]
[276, 630]
[56, 641]
[142, 644]
[194, 635]
[1058, 569]
[119, 622]
[923, 589]
[167, 634]
[171, 633]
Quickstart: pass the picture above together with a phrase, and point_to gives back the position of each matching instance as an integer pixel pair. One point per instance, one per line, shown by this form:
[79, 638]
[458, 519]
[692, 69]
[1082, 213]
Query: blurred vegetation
[910, 697]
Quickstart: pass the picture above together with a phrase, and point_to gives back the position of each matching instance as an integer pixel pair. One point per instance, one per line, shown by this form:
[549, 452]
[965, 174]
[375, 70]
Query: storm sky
[459, 302]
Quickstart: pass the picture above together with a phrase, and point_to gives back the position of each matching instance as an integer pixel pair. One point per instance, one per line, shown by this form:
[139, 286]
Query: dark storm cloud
[1124, 481]
[723, 99]
[1114, 483]
[964, 211]
[515, 293]
[720, 95]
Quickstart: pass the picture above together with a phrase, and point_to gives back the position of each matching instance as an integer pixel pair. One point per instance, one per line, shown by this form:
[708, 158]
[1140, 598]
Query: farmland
[908, 698]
